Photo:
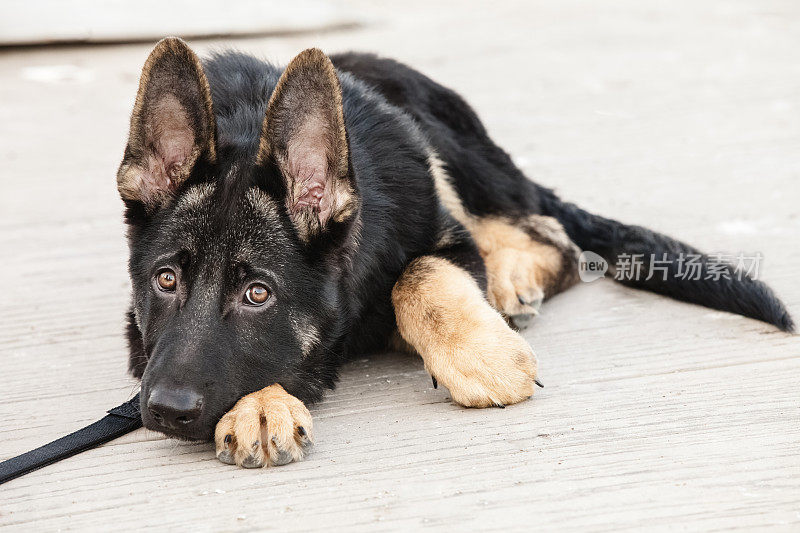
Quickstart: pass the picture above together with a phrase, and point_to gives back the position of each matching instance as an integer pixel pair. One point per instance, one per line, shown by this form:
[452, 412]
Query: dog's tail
[711, 283]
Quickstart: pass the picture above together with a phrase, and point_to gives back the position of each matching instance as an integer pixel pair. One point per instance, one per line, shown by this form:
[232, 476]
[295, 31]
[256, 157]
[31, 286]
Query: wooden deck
[656, 415]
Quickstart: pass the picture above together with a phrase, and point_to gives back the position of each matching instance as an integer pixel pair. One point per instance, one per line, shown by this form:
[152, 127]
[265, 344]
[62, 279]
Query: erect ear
[172, 125]
[304, 135]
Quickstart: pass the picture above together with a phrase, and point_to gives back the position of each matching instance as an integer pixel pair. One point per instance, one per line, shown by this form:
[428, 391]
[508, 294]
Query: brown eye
[166, 280]
[256, 294]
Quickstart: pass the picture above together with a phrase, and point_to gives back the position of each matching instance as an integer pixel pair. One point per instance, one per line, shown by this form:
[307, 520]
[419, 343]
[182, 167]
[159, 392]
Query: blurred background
[683, 116]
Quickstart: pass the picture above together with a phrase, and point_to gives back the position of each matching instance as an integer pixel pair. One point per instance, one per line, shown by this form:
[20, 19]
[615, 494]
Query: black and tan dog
[282, 220]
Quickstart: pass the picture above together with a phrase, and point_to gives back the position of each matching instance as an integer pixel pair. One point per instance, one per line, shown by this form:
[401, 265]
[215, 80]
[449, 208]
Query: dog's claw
[538, 383]
[225, 456]
[283, 458]
[305, 441]
[252, 462]
[536, 303]
[435, 383]
[521, 321]
[500, 406]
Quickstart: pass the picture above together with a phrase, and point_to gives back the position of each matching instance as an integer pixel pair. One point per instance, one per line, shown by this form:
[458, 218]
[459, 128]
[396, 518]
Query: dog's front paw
[266, 428]
[465, 343]
[489, 365]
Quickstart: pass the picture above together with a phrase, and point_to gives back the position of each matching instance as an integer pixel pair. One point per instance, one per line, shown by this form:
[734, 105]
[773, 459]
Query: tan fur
[447, 193]
[305, 333]
[264, 429]
[550, 230]
[465, 343]
[518, 266]
[194, 197]
[398, 344]
[263, 204]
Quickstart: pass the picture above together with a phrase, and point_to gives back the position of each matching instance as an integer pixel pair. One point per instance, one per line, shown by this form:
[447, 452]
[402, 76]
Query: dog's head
[236, 253]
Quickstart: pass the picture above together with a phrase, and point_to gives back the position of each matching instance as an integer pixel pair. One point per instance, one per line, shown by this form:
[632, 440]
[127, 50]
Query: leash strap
[119, 421]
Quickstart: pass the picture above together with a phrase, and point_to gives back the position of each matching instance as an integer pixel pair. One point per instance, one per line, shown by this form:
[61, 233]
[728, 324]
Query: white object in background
[24, 22]
[58, 74]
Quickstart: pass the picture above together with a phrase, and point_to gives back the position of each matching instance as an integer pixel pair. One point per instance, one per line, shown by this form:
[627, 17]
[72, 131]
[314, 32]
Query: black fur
[732, 292]
[340, 282]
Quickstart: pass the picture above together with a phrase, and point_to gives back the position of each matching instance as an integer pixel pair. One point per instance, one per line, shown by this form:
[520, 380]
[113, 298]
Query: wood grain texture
[656, 415]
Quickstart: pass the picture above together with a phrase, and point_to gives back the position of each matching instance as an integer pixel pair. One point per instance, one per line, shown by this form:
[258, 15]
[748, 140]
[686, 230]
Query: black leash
[119, 421]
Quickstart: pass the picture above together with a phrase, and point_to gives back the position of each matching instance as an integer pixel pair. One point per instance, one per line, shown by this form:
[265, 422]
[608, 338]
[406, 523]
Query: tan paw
[490, 365]
[465, 343]
[515, 281]
[269, 427]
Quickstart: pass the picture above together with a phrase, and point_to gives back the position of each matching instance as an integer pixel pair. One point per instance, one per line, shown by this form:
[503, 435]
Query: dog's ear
[304, 136]
[172, 125]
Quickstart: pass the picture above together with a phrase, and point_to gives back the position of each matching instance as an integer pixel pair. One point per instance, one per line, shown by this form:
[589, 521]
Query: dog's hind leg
[527, 260]
[528, 257]
[467, 346]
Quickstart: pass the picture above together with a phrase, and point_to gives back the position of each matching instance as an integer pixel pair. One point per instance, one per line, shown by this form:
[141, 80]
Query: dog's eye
[167, 280]
[256, 294]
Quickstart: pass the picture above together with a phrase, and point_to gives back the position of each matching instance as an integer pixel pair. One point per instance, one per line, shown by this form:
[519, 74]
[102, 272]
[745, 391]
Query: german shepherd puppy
[281, 220]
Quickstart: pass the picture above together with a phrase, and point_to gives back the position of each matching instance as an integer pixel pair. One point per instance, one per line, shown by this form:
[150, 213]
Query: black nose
[175, 408]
